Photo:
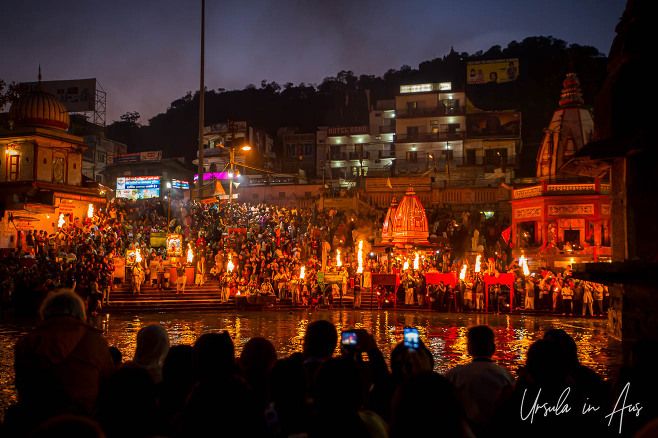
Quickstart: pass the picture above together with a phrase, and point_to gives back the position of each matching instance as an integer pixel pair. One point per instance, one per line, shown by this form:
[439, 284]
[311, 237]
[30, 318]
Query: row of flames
[478, 266]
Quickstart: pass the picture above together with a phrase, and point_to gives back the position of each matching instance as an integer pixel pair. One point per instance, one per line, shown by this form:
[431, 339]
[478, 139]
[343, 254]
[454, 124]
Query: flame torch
[190, 254]
[462, 274]
[416, 262]
[90, 211]
[477, 263]
[524, 265]
[229, 266]
[138, 256]
[338, 262]
[61, 221]
[301, 272]
[360, 268]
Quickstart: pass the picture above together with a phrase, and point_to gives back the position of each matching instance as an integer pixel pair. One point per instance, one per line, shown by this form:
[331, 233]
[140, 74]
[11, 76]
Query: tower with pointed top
[570, 129]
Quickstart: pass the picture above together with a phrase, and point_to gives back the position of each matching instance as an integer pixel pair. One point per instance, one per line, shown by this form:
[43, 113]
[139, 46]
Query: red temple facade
[559, 216]
[407, 224]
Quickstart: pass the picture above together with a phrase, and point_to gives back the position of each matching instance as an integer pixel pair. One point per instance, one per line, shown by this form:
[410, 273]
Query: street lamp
[168, 205]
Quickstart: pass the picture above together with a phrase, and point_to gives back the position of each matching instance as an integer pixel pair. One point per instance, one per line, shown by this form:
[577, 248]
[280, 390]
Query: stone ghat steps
[206, 297]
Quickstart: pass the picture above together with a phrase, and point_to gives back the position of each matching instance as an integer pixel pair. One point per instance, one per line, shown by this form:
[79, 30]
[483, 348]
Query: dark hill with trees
[341, 99]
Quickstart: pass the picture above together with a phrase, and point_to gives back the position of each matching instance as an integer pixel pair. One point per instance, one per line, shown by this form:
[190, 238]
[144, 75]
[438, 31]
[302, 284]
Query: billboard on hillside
[78, 95]
[498, 71]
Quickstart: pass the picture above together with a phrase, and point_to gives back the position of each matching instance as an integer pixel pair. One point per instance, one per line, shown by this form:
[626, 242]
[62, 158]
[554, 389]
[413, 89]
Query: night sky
[146, 53]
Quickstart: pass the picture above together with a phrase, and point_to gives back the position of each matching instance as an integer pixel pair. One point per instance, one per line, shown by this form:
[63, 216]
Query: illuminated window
[13, 167]
[101, 157]
[412, 156]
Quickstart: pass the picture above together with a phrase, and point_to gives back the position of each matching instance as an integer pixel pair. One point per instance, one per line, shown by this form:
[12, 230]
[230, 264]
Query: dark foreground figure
[70, 383]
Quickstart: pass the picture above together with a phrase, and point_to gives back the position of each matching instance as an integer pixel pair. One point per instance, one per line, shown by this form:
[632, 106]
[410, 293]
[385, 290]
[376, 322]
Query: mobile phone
[411, 338]
[349, 339]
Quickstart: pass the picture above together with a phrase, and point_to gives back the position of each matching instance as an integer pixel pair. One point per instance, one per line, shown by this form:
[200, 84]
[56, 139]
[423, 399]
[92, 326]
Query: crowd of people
[267, 247]
[71, 383]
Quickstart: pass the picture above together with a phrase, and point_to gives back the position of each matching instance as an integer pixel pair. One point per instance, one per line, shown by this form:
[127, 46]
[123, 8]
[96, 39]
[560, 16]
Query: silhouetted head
[257, 357]
[566, 345]
[63, 302]
[320, 340]
[545, 364]
[481, 341]
[151, 350]
[213, 357]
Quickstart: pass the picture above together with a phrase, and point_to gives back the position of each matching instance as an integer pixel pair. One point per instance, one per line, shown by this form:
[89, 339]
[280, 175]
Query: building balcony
[338, 156]
[430, 112]
[386, 154]
[561, 189]
[389, 129]
[428, 137]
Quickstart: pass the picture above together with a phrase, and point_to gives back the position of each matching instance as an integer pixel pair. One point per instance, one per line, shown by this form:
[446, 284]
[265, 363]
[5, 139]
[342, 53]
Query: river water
[444, 334]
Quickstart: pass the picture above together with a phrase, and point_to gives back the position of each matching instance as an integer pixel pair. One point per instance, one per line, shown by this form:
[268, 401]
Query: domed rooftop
[410, 221]
[39, 108]
[570, 128]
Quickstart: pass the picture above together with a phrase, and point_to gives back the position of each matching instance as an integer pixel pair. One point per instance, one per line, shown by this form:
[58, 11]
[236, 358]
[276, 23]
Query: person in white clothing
[479, 383]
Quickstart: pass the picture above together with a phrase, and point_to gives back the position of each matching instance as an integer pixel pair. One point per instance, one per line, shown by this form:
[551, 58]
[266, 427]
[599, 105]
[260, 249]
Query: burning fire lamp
[338, 262]
[190, 254]
[138, 255]
[477, 263]
[301, 272]
[229, 266]
[416, 262]
[406, 265]
[524, 265]
[462, 274]
[90, 211]
[360, 268]
[61, 221]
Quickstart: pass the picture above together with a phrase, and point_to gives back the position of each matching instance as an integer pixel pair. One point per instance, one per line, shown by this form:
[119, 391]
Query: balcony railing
[427, 137]
[386, 154]
[338, 156]
[430, 112]
[387, 129]
[555, 189]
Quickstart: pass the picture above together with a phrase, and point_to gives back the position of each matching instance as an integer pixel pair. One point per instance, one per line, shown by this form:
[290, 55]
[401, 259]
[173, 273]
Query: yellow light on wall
[12, 149]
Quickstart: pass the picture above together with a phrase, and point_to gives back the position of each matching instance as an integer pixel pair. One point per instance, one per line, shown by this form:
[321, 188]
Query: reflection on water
[444, 334]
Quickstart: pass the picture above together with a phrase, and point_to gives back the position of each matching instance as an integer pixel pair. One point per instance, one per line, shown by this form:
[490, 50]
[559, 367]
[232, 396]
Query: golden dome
[39, 108]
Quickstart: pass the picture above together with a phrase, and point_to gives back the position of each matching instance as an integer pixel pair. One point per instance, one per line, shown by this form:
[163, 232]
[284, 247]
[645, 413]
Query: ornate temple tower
[569, 130]
[410, 221]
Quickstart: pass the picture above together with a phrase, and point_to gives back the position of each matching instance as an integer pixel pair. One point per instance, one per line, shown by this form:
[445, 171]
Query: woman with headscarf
[151, 350]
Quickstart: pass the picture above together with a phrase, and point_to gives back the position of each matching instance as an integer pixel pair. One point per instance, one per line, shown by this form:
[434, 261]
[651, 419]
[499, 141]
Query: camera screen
[348, 338]
[411, 337]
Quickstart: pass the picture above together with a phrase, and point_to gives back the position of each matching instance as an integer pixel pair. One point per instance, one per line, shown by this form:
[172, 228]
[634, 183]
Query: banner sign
[212, 175]
[498, 71]
[134, 158]
[349, 130]
[138, 187]
[178, 184]
[425, 88]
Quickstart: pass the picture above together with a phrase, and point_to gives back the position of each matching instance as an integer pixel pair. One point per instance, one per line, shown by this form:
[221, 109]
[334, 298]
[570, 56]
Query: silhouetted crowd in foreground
[71, 383]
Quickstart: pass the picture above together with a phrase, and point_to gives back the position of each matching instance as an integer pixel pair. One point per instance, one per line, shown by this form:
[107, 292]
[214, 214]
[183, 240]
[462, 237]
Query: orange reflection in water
[443, 334]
